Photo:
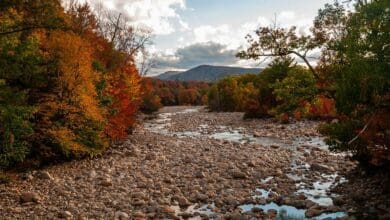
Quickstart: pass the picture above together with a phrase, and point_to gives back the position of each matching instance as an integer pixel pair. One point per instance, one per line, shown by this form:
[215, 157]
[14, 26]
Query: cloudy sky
[188, 33]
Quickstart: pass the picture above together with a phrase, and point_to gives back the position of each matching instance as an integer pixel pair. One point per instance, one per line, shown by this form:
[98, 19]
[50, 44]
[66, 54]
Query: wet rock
[272, 213]
[309, 204]
[313, 211]
[257, 210]
[30, 197]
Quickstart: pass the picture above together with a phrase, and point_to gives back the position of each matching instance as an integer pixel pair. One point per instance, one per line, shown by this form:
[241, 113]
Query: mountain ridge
[207, 73]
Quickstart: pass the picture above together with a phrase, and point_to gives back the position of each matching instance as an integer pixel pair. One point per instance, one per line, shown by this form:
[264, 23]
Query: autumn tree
[73, 91]
[362, 85]
[37, 14]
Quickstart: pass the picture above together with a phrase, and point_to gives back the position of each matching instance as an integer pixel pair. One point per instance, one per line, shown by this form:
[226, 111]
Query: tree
[298, 86]
[125, 90]
[15, 127]
[362, 86]
[37, 14]
[65, 90]
[279, 42]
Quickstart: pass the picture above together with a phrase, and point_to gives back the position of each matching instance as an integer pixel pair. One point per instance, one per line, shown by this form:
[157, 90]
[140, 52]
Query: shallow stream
[317, 192]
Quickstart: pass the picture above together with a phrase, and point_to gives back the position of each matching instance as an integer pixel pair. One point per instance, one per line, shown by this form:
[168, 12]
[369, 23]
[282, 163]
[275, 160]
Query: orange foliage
[322, 107]
[125, 90]
[71, 104]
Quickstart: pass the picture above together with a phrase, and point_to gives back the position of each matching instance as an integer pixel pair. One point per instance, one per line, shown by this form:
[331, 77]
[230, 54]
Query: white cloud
[159, 15]
[208, 33]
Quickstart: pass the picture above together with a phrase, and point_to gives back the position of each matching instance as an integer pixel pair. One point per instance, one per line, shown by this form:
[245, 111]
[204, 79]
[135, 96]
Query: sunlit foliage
[65, 90]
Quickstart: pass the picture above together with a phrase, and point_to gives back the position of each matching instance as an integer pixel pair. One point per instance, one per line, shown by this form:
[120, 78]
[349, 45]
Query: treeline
[282, 90]
[68, 83]
[158, 93]
[350, 83]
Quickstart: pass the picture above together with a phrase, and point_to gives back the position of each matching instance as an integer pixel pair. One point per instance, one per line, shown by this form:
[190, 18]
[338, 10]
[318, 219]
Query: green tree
[299, 85]
[362, 88]
[15, 127]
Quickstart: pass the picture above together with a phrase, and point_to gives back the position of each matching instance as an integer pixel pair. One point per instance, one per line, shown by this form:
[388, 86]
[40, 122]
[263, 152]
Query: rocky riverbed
[187, 163]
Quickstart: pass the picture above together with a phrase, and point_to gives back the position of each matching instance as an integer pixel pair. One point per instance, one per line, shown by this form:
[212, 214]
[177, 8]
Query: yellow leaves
[66, 139]
[75, 74]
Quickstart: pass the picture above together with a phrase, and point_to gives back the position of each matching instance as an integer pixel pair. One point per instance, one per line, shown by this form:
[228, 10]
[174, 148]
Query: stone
[202, 197]
[200, 174]
[257, 134]
[30, 197]
[183, 202]
[66, 215]
[313, 211]
[237, 174]
[150, 156]
[257, 210]
[138, 202]
[274, 146]
[338, 201]
[45, 175]
[272, 213]
[121, 216]
[139, 216]
[106, 182]
[168, 210]
[320, 167]
[251, 163]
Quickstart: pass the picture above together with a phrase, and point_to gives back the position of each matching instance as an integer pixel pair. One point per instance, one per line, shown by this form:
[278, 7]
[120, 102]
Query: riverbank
[189, 163]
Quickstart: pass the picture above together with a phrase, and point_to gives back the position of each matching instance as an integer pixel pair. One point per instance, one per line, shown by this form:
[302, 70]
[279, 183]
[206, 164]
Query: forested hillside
[207, 73]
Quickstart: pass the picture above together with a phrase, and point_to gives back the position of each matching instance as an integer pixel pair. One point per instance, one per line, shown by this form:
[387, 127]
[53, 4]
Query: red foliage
[125, 89]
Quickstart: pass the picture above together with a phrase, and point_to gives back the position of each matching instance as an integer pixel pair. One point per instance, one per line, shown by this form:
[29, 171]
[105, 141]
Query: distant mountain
[207, 73]
[167, 75]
